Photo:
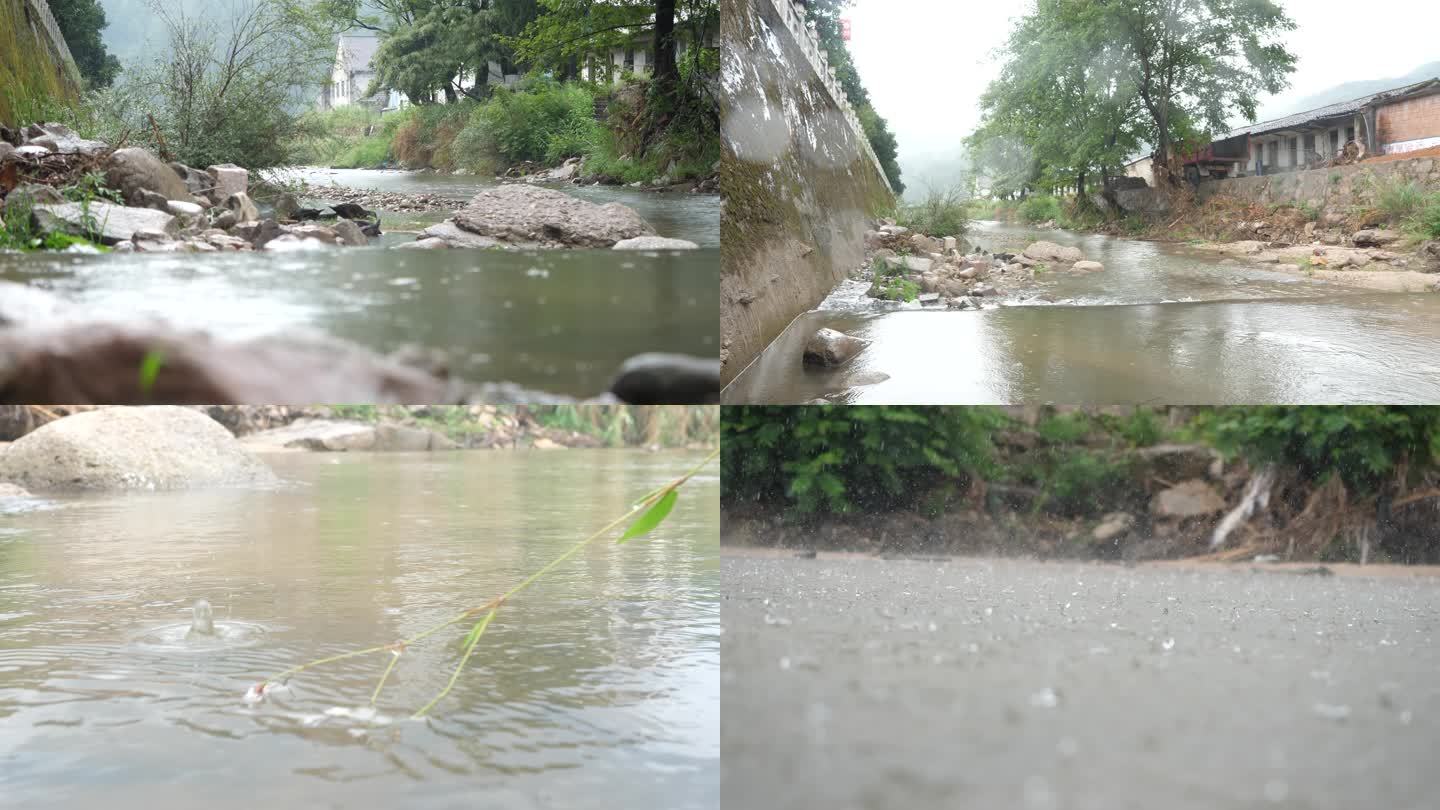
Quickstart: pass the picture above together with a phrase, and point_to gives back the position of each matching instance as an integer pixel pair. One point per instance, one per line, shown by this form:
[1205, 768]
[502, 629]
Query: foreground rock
[660, 379]
[655, 243]
[830, 348]
[323, 435]
[153, 448]
[1051, 252]
[527, 216]
[108, 224]
[451, 235]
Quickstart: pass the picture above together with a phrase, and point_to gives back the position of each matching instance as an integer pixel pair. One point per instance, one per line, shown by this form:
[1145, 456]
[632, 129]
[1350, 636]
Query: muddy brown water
[598, 688]
[1161, 323]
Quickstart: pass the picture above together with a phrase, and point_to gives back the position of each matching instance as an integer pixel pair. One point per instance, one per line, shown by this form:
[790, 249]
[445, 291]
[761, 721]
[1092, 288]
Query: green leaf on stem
[652, 517]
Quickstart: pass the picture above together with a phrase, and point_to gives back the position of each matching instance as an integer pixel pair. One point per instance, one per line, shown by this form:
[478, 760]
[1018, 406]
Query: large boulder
[528, 215]
[1087, 267]
[1374, 237]
[24, 197]
[242, 207]
[325, 435]
[111, 223]
[1051, 252]
[158, 447]
[1429, 253]
[830, 347]
[349, 233]
[133, 170]
[668, 379]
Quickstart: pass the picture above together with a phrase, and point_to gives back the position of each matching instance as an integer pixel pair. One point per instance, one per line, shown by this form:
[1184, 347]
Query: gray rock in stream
[112, 223]
[530, 216]
[830, 347]
[133, 170]
[160, 447]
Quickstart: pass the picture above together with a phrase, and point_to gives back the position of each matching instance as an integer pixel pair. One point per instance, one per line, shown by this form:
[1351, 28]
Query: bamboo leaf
[150, 369]
[652, 517]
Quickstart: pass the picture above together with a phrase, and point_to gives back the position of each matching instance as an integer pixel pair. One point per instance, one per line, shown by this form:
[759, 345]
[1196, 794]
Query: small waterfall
[1256, 497]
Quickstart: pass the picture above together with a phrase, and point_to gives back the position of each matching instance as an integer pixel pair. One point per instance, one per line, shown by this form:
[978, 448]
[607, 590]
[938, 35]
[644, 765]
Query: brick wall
[1410, 119]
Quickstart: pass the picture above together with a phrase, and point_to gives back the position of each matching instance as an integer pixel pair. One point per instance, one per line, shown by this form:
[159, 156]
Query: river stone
[323, 435]
[115, 223]
[6, 148]
[1051, 252]
[349, 233]
[1113, 526]
[655, 243]
[26, 196]
[668, 379]
[60, 138]
[1087, 267]
[8, 490]
[132, 169]
[157, 447]
[529, 215]
[240, 204]
[1178, 462]
[1374, 237]
[426, 243]
[227, 178]
[183, 209]
[1192, 498]
[452, 236]
[33, 151]
[830, 347]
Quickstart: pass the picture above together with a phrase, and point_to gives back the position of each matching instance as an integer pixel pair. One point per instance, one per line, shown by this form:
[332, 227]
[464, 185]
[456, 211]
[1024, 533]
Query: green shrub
[897, 288]
[542, 121]
[1040, 208]
[1363, 444]
[942, 213]
[1309, 210]
[1398, 199]
[1425, 222]
[842, 460]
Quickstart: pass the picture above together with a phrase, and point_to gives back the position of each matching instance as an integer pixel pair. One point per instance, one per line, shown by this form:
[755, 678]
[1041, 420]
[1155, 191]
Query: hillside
[1281, 107]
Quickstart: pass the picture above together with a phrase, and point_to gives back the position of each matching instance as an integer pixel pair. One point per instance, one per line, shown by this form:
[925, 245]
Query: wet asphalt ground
[866, 683]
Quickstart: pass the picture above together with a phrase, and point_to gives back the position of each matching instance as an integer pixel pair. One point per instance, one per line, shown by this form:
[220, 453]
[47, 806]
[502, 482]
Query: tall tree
[81, 22]
[1085, 78]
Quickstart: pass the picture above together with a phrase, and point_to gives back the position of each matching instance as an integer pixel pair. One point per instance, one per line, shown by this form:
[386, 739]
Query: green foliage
[942, 213]
[652, 518]
[1425, 222]
[1309, 210]
[897, 288]
[1085, 84]
[1397, 198]
[545, 121]
[841, 460]
[81, 22]
[1363, 444]
[1040, 208]
[213, 95]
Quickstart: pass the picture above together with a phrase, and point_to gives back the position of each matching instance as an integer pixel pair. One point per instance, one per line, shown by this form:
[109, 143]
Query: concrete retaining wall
[48, 31]
[799, 179]
[1334, 190]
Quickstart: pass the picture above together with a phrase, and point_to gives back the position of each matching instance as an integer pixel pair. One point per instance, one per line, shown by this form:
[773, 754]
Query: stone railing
[793, 16]
[40, 12]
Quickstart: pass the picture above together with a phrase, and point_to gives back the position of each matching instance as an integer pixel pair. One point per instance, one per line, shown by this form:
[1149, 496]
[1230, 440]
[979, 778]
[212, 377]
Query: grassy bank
[539, 124]
[33, 87]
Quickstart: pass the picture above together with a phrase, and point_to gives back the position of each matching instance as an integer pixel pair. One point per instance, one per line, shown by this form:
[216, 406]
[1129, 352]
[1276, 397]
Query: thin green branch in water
[651, 509]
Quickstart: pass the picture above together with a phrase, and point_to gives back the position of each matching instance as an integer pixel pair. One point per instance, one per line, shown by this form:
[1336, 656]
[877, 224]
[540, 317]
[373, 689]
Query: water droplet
[785, 662]
[1168, 644]
[1332, 712]
[1045, 699]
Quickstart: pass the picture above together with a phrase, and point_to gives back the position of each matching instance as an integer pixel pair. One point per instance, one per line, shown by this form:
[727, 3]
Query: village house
[1401, 119]
[351, 74]
[635, 56]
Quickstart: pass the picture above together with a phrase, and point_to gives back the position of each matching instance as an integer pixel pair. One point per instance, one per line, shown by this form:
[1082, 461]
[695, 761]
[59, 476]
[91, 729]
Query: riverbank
[428, 427]
[540, 130]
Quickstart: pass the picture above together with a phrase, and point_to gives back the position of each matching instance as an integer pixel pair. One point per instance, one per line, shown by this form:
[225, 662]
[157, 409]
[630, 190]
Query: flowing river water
[559, 321]
[597, 688]
[1161, 323]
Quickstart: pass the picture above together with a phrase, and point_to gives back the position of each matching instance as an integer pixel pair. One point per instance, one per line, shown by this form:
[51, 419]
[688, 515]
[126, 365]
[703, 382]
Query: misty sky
[926, 62]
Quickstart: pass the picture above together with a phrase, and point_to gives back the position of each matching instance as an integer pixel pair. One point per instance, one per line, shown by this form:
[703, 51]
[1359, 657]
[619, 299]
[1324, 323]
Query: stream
[1161, 323]
[596, 688]
[559, 321]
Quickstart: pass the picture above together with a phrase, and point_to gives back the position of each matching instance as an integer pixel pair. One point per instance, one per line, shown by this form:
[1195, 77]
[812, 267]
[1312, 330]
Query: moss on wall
[32, 81]
[793, 225]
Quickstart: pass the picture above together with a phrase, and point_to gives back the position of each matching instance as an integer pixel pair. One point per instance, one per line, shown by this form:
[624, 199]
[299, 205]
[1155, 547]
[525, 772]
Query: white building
[351, 74]
[634, 57]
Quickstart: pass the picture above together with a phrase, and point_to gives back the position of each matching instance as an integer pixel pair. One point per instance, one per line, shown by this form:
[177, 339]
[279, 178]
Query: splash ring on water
[177, 637]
